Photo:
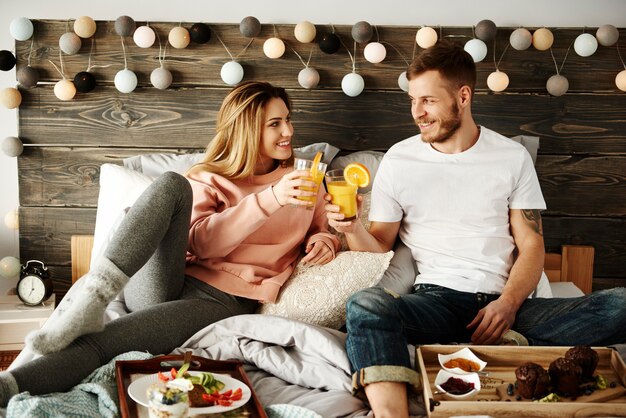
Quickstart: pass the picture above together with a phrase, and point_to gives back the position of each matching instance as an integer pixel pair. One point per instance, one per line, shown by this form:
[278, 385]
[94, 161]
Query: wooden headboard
[581, 160]
[573, 264]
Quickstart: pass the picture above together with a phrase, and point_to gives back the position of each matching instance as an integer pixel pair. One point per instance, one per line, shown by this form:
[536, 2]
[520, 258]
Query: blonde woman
[192, 250]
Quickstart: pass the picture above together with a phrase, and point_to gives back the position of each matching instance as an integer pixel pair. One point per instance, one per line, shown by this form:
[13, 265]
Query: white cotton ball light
[10, 97]
[498, 81]
[12, 220]
[308, 78]
[274, 48]
[179, 37]
[144, 37]
[607, 35]
[231, 73]
[403, 81]
[21, 29]
[620, 80]
[426, 37]
[543, 39]
[352, 84]
[161, 78]
[477, 49]
[125, 81]
[521, 39]
[305, 32]
[64, 90]
[585, 45]
[12, 146]
[10, 267]
[557, 85]
[85, 27]
[70, 43]
[375, 52]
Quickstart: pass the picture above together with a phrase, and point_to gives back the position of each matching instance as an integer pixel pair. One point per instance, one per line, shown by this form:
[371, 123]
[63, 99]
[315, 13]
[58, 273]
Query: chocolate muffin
[532, 380]
[195, 397]
[585, 357]
[566, 376]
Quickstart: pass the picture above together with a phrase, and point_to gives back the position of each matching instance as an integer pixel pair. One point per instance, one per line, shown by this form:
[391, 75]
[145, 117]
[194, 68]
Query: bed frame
[574, 264]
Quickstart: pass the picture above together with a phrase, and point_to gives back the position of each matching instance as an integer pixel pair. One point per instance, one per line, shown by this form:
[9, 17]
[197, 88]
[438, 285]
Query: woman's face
[276, 136]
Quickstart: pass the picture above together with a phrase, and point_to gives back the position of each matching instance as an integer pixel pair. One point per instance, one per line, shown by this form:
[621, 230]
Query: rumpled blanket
[95, 396]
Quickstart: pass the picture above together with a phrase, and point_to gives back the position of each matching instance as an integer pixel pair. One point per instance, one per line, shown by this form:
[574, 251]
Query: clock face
[31, 289]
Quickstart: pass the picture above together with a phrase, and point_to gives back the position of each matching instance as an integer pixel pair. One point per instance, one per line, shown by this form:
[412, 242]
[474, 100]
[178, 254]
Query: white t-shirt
[454, 208]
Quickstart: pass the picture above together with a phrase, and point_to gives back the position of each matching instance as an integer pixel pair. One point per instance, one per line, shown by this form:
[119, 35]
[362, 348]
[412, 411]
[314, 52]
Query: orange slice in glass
[357, 174]
[316, 163]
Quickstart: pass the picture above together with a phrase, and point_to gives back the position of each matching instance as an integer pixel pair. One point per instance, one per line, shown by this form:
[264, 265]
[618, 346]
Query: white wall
[531, 13]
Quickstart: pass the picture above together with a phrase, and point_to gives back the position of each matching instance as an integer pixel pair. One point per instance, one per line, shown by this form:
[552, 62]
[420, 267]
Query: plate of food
[224, 393]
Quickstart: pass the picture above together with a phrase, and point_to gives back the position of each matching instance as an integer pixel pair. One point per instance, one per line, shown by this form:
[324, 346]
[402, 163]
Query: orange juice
[316, 175]
[344, 196]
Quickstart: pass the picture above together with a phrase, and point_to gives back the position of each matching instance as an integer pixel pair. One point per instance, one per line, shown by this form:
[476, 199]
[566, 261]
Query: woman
[236, 217]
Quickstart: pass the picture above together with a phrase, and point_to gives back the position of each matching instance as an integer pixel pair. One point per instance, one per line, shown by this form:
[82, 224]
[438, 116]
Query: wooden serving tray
[129, 370]
[501, 364]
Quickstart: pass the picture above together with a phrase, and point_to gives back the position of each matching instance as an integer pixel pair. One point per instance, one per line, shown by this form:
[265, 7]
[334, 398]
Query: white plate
[138, 391]
[466, 354]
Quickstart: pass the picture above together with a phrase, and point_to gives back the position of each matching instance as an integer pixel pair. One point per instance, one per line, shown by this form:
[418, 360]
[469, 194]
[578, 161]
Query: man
[466, 201]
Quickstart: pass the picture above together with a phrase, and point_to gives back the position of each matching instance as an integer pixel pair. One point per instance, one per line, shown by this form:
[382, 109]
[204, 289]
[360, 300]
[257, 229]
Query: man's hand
[492, 322]
[335, 217]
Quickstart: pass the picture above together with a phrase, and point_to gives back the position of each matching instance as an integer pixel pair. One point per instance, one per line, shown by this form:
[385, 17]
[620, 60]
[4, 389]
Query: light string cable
[393, 46]
[620, 55]
[497, 64]
[226, 48]
[92, 50]
[61, 71]
[162, 49]
[30, 52]
[352, 58]
[558, 70]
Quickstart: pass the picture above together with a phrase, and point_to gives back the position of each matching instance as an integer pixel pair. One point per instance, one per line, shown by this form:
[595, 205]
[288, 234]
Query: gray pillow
[400, 275]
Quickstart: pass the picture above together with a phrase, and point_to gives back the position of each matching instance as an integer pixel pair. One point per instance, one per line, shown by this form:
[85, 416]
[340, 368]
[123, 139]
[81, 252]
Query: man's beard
[448, 125]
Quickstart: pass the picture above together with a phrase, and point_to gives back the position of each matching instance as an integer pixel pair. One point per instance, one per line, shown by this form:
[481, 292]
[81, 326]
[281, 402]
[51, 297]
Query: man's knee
[372, 300]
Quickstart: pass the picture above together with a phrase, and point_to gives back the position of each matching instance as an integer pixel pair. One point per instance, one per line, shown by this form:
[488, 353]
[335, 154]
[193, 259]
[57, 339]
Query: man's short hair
[453, 63]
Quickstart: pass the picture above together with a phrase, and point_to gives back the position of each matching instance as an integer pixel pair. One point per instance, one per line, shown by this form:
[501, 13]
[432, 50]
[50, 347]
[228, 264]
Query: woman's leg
[158, 329]
[153, 238]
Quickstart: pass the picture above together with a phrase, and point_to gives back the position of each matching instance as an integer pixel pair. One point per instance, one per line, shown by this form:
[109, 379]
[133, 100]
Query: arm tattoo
[533, 219]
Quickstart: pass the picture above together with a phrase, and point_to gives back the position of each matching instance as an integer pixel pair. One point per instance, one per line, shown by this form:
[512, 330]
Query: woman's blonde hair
[234, 150]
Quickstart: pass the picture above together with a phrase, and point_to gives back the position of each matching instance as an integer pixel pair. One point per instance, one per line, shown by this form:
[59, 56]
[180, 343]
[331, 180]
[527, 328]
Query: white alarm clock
[34, 285]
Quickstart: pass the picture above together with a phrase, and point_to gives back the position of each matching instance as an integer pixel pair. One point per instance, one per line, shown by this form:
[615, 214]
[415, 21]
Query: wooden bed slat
[81, 255]
[577, 266]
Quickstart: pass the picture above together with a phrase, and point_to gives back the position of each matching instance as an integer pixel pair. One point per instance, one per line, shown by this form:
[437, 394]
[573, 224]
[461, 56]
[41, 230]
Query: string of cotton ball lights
[274, 47]
[232, 72]
[498, 80]
[375, 52]
[557, 85]
[64, 89]
[308, 77]
[125, 80]
[352, 83]
[28, 77]
[161, 77]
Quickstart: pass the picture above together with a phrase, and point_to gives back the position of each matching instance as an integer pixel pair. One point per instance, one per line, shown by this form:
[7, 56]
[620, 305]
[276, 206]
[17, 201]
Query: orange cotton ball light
[179, 37]
[543, 39]
[10, 97]
[84, 27]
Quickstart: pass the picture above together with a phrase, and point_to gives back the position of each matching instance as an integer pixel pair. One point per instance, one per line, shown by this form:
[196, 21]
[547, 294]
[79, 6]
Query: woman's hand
[335, 217]
[317, 253]
[289, 187]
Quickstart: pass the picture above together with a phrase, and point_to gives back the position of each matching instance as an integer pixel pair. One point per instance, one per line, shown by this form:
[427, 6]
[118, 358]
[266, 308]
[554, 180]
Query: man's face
[434, 107]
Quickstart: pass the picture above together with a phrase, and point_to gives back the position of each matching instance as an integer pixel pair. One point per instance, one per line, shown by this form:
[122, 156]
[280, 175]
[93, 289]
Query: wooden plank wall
[581, 162]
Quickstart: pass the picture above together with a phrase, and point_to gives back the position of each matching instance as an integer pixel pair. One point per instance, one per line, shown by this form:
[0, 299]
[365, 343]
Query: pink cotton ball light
[375, 52]
[144, 37]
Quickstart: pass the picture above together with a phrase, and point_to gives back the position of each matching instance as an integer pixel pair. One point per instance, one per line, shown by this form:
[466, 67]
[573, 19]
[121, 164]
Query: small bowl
[443, 376]
[466, 354]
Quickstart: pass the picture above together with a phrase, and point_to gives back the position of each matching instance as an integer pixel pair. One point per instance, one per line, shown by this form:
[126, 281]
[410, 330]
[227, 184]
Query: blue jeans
[380, 324]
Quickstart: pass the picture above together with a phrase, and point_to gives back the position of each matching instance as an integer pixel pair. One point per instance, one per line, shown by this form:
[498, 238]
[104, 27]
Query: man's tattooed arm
[532, 217]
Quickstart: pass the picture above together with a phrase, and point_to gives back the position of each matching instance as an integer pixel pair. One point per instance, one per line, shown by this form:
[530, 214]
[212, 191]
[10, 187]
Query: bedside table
[17, 320]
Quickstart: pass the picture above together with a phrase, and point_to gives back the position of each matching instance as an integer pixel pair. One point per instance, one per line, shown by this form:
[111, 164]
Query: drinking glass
[343, 193]
[317, 175]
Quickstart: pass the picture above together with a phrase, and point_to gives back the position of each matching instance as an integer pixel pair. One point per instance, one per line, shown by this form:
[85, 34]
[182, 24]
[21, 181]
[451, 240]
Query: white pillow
[317, 294]
[119, 188]
[157, 164]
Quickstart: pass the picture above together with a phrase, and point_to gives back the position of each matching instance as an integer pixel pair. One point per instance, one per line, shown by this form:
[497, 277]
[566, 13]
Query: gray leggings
[166, 306]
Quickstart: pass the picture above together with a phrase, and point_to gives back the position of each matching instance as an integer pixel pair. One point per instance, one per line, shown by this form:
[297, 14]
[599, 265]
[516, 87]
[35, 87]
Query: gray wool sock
[8, 388]
[81, 310]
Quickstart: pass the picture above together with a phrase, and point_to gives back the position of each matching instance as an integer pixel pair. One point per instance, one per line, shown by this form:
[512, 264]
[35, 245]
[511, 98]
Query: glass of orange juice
[317, 170]
[343, 185]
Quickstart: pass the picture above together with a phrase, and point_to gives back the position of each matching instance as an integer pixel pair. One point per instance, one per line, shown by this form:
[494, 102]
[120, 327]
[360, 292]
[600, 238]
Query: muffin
[585, 357]
[532, 380]
[566, 376]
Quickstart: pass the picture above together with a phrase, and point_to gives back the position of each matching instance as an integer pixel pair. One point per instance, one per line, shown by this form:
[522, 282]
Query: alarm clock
[34, 285]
